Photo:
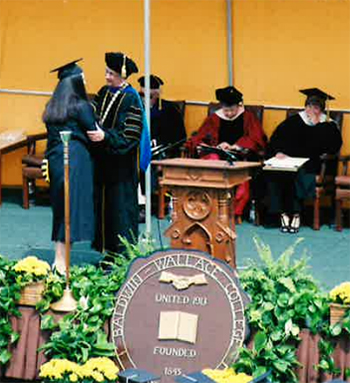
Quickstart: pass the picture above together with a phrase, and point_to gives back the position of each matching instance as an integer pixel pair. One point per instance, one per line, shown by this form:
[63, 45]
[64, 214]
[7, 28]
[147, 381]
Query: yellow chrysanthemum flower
[227, 376]
[73, 377]
[98, 369]
[97, 376]
[341, 293]
[32, 265]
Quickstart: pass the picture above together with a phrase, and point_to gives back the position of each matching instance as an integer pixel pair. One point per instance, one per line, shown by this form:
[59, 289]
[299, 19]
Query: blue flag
[145, 142]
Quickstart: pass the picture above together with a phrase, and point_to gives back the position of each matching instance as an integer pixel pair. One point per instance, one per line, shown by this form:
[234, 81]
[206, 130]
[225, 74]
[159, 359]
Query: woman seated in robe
[231, 127]
[308, 134]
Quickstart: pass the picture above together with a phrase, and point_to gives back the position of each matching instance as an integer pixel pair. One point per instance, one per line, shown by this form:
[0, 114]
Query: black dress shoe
[142, 214]
[284, 223]
[295, 224]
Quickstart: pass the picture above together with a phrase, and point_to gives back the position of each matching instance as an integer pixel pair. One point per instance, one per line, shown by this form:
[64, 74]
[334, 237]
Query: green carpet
[29, 231]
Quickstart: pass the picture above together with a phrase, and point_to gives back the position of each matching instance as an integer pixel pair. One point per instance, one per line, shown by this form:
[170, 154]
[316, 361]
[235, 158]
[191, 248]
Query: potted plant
[31, 273]
[95, 370]
[340, 302]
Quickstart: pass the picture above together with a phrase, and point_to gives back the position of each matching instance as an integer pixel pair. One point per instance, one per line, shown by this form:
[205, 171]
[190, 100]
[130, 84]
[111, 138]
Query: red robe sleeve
[254, 137]
[208, 132]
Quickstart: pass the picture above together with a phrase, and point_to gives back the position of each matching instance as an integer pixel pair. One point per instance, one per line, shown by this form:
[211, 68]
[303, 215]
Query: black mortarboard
[194, 377]
[67, 70]
[135, 375]
[155, 81]
[316, 93]
[316, 96]
[229, 96]
[120, 63]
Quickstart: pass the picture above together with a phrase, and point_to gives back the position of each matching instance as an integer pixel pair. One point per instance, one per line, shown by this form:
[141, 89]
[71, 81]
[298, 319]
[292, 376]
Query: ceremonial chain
[116, 94]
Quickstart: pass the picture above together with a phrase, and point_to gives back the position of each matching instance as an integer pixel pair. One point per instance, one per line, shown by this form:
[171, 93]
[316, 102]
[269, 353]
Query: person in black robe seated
[167, 123]
[69, 110]
[168, 132]
[308, 134]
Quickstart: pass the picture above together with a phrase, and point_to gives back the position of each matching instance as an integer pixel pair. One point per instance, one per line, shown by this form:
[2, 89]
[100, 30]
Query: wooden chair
[31, 170]
[325, 180]
[342, 191]
[181, 106]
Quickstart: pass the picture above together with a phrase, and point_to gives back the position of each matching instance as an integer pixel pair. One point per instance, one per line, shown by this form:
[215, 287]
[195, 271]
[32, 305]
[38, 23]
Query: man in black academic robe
[167, 120]
[119, 109]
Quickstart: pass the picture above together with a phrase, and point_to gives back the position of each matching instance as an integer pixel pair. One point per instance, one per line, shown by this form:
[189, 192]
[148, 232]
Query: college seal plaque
[178, 311]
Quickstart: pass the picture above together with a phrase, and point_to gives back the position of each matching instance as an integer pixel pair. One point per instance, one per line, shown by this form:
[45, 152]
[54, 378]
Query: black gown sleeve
[178, 123]
[280, 139]
[331, 140]
[86, 117]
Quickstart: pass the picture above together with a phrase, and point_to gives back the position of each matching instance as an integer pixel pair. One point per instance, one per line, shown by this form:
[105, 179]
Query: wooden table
[7, 147]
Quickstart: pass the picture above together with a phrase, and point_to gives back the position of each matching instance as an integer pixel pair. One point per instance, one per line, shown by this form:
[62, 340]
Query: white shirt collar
[305, 118]
[220, 114]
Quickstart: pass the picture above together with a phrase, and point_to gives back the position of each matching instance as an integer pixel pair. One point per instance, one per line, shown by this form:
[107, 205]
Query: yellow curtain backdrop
[280, 46]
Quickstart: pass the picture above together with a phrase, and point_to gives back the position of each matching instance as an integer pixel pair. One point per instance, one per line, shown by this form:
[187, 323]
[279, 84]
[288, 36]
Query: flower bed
[285, 300]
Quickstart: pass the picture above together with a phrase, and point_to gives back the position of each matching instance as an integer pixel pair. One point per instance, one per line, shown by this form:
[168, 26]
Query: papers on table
[289, 164]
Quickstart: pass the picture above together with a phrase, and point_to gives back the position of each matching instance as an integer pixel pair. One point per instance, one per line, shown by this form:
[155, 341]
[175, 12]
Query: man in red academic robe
[231, 127]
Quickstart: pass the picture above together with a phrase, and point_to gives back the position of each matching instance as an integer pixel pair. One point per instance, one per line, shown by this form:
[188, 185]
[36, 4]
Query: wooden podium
[202, 194]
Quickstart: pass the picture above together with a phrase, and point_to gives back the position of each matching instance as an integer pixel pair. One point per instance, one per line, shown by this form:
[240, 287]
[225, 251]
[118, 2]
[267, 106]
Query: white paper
[286, 163]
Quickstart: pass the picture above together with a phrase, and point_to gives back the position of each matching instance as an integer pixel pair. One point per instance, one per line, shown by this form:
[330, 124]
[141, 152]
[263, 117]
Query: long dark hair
[63, 105]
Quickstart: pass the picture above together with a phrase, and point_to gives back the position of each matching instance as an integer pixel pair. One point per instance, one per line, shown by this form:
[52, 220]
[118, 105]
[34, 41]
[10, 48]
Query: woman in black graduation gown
[307, 134]
[69, 110]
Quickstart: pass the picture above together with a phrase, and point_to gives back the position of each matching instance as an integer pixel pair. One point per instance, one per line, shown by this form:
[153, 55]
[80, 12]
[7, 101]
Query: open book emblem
[182, 282]
[178, 325]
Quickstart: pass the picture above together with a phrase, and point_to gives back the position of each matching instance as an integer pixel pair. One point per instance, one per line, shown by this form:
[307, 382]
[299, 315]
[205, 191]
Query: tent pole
[229, 40]
[147, 54]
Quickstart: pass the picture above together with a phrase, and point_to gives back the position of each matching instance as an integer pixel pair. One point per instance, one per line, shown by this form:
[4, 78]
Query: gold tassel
[123, 74]
[45, 170]
[160, 103]
[327, 109]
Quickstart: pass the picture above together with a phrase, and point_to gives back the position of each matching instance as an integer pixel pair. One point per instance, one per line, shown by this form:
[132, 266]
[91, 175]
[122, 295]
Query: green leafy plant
[285, 299]
[10, 292]
[327, 346]
[326, 362]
